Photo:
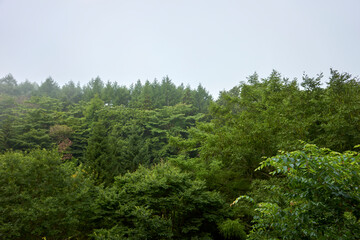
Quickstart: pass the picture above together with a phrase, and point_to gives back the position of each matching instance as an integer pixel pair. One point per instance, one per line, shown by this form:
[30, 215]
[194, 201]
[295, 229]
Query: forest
[272, 158]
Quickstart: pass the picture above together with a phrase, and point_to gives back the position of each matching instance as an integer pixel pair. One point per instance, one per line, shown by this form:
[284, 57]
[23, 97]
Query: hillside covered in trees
[272, 158]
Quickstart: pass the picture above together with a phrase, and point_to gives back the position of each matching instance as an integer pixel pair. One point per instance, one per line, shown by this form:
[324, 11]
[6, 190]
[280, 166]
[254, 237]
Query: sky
[215, 43]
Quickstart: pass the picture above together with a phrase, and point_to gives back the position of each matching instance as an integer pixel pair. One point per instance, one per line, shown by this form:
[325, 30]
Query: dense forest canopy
[160, 161]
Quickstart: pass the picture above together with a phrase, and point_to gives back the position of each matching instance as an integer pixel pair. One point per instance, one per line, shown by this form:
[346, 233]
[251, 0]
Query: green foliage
[42, 197]
[60, 132]
[49, 88]
[99, 158]
[339, 126]
[123, 138]
[93, 88]
[95, 105]
[232, 229]
[202, 99]
[8, 134]
[71, 94]
[8, 85]
[322, 197]
[201, 156]
[27, 89]
[257, 118]
[159, 203]
[113, 129]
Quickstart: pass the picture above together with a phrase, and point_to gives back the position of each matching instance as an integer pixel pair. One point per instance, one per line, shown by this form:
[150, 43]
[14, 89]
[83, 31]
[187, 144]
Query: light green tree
[320, 196]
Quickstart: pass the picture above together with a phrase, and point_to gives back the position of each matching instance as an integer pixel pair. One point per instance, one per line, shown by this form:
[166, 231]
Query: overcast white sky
[215, 43]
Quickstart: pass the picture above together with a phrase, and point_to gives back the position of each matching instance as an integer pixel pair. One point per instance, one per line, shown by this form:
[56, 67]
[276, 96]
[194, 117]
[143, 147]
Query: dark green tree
[71, 93]
[159, 203]
[121, 96]
[94, 87]
[27, 89]
[108, 93]
[99, 158]
[92, 108]
[146, 97]
[170, 96]
[202, 99]
[40, 197]
[49, 88]
[135, 92]
[8, 85]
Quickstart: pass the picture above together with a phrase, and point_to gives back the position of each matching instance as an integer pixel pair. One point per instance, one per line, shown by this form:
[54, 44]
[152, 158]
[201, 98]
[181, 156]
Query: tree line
[160, 161]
